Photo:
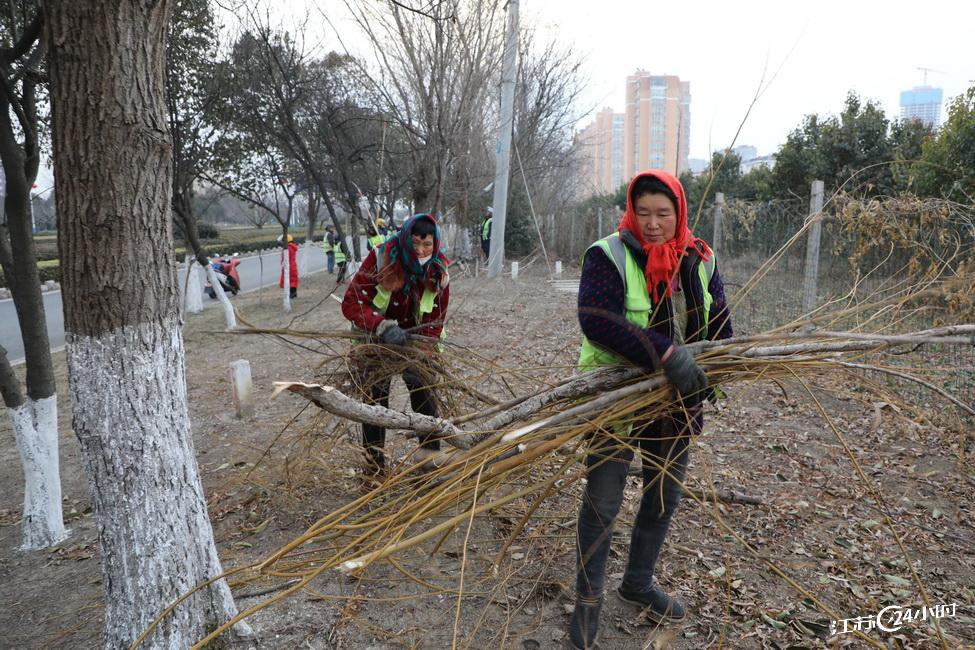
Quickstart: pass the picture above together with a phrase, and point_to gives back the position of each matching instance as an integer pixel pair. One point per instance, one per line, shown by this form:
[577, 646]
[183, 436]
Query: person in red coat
[293, 264]
[400, 291]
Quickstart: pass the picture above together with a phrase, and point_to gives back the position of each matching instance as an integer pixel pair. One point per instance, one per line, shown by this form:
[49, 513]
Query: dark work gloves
[390, 332]
[686, 376]
[412, 379]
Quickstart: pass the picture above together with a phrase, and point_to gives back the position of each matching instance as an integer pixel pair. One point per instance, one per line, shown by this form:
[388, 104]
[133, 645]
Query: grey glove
[390, 332]
[686, 376]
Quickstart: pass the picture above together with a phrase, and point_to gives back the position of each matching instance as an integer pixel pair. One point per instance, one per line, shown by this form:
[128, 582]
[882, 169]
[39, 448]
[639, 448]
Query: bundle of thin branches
[506, 451]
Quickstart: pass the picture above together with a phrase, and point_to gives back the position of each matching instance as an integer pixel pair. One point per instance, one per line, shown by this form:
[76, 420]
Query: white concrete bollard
[558, 268]
[514, 270]
[240, 379]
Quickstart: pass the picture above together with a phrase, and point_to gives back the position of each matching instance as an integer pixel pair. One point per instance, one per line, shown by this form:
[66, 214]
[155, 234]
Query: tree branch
[26, 40]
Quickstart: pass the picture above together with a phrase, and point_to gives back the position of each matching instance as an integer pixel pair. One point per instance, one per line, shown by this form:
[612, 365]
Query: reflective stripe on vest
[376, 240]
[636, 300]
[383, 295]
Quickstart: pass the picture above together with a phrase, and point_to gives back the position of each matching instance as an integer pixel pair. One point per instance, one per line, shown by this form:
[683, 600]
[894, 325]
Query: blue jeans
[331, 261]
[664, 454]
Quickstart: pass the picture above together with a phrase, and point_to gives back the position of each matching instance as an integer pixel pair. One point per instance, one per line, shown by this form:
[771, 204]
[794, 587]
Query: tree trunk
[34, 420]
[35, 426]
[311, 215]
[183, 209]
[285, 269]
[125, 348]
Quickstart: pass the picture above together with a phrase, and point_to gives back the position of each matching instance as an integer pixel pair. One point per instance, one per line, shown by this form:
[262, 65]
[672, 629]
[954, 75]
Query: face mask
[424, 260]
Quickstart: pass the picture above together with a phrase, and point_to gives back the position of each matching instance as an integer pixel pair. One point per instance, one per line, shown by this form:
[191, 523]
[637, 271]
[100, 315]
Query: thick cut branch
[606, 383]
[334, 401]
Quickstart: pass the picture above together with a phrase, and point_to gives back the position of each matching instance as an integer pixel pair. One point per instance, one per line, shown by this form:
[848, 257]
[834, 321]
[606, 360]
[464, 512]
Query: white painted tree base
[35, 426]
[286, 276]
[228, 309]
[128, 391]
[194, 291]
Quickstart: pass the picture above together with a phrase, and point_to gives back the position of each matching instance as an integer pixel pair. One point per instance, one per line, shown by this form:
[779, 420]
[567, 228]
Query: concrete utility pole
[812, 247]
[508, 73]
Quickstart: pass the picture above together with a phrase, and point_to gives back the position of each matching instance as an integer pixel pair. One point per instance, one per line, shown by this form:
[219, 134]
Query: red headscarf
[663, 260]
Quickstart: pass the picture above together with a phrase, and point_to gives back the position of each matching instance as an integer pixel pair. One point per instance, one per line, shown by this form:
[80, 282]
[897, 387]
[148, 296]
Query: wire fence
[868, 250]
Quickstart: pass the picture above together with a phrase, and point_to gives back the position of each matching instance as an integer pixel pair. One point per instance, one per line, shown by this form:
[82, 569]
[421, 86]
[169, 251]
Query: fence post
[717, 242]
[514, 270]
[599, 233]
[812, 247]
[558, 268]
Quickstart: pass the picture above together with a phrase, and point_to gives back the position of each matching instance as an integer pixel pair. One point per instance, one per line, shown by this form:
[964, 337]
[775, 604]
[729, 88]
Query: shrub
[207, 231]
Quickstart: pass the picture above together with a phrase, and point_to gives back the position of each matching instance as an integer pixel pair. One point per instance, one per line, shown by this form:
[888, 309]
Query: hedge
[214, 248]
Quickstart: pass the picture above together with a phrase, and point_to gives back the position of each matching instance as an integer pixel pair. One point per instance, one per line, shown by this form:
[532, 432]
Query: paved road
[251, 277]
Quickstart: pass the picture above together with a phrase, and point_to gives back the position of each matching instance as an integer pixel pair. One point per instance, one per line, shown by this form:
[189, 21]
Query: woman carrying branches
[401, 285]
[645, 291]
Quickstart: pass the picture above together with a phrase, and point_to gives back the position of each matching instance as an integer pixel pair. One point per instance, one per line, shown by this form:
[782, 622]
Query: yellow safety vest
[380, 302]
[636, 299]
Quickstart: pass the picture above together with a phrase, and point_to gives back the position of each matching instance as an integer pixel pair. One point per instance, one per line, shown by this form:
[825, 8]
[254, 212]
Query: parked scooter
[225, 268]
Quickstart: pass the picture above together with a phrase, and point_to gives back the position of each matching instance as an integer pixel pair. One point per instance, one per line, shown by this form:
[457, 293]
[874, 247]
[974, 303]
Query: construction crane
[926, 71]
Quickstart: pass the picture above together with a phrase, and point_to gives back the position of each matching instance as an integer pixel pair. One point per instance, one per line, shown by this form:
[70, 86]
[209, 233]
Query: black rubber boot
[584, 626]
[658, 606]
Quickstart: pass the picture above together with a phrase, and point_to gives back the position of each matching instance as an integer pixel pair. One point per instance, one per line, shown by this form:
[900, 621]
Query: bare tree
[34, 418]
[547, 93]
[252, 169]
[435, 74]
[265, 86]
[113, 162]
[190, 96]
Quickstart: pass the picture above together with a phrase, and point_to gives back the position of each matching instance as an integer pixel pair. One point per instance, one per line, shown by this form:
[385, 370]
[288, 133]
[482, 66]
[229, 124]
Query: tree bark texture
[34, 420]
[20, 261]
[125, 348]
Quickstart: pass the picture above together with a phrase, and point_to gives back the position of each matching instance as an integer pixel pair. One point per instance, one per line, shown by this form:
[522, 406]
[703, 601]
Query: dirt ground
[814, 531]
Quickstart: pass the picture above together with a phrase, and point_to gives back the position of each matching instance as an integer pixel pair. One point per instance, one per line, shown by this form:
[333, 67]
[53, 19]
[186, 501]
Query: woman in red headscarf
[645, 290]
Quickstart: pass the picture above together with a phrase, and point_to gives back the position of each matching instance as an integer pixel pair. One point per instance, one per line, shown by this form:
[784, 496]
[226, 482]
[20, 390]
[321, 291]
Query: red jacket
[293, 262]
[357, 305]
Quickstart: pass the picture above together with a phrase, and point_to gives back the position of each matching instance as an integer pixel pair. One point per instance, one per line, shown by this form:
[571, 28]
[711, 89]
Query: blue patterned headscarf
[402, 264]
